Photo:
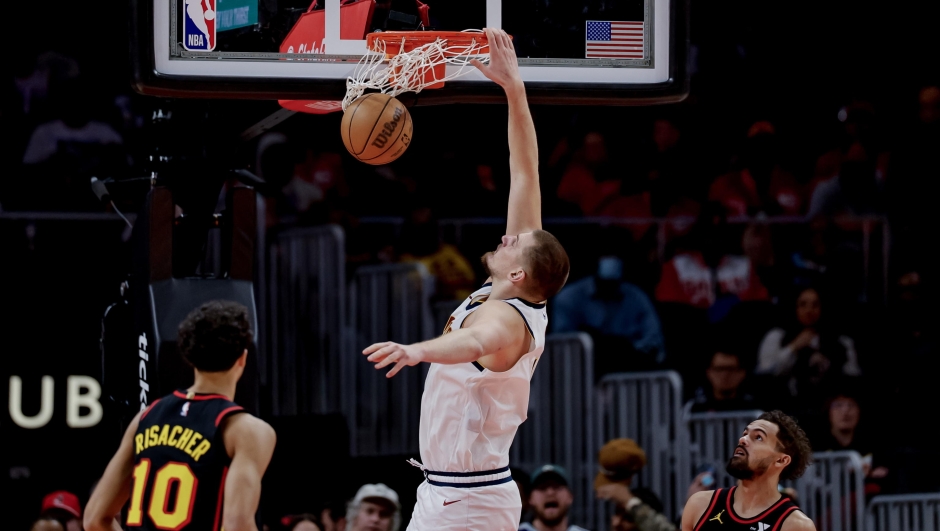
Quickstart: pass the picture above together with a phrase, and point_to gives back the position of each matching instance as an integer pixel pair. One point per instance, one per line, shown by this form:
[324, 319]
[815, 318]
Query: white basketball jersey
[469, 414]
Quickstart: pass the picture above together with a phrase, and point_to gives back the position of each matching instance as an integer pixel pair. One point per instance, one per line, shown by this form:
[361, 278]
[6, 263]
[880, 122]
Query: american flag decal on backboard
[614, 40]
[199, 25]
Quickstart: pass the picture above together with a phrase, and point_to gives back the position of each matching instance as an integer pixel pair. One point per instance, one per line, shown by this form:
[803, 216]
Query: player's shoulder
[248, 426]
[695, 507]
[247, 433]
[797, 521]
[702, 497]
[497, 309]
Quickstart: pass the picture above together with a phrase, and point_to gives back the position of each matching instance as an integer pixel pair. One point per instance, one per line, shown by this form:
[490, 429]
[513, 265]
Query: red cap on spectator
[64, 500]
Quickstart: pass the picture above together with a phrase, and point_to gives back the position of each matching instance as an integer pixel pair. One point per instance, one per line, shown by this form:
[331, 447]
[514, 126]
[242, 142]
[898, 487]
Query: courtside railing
[562, 425]
[647, 407]
[304, 317]
[832, 491]
[386, 303]
[904, 512]
[712, 438]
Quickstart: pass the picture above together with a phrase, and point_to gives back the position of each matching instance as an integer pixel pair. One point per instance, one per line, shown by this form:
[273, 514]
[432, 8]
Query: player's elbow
[476, 349]
[239, 523]
[94, 522]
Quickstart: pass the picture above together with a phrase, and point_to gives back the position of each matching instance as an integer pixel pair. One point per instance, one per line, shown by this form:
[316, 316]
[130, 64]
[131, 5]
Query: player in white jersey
[477, 391]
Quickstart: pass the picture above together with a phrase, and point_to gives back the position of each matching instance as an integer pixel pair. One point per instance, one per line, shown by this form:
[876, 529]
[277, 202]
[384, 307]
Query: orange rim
[413, 39]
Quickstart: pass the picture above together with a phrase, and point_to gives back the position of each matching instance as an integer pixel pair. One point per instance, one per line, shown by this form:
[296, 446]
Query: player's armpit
[104, 508]
[502, 332]
[250, 441]
[797, 521]
[695, 507]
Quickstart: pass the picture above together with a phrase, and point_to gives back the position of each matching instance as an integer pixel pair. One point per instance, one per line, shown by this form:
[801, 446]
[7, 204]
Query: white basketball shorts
[467, 502]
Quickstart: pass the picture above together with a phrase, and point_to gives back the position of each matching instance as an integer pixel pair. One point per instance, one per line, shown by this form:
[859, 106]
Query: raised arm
[104, 508]
[525, 199]
[250, 442]
[497, 337]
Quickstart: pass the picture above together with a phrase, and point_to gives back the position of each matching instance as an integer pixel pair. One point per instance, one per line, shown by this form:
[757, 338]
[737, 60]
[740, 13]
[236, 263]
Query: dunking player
[192, 460]
[477, 390]
[772, 448]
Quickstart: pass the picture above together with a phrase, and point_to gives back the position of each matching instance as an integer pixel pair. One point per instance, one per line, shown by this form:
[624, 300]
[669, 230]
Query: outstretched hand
[385, 353]
[504, 67]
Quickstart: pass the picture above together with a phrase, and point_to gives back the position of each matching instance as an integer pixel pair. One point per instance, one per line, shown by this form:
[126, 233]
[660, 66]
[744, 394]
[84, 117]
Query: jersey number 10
[170, 473]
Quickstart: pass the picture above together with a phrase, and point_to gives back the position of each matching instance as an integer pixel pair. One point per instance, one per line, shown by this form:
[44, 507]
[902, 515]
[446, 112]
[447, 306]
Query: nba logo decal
[199, 25]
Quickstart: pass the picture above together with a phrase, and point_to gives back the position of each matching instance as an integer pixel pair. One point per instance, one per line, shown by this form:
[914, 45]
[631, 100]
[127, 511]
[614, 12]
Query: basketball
[376, 128]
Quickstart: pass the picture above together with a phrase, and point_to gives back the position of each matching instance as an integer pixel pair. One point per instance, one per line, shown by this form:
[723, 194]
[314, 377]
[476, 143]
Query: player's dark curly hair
[214, 335]
[792, 441]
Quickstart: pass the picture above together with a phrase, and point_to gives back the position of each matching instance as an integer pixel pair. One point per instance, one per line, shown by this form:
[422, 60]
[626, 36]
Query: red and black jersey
[180, 463]
[720, 515]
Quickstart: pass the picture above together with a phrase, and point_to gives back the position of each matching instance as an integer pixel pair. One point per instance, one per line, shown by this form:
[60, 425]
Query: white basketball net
[410, 71]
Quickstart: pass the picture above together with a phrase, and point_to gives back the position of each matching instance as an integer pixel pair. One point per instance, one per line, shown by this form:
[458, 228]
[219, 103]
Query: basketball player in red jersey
[772, 448]
[192, 460]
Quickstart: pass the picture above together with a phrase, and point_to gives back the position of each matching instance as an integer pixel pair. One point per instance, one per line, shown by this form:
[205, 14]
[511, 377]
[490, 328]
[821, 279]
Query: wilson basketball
[376, 128]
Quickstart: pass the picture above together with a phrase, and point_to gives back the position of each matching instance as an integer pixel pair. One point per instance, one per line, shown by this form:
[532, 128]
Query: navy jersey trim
[198, 396]
[147, 411]
[729, 502]
[226, 412]
[529, 328]
[537, 306]
[506, 479]
[469, 474]
[786, 514]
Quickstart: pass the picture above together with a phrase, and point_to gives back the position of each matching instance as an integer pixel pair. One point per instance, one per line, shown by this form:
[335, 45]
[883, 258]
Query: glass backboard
[570, 51]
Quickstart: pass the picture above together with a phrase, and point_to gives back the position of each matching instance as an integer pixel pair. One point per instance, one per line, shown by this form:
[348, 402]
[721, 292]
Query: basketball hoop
[417, 60]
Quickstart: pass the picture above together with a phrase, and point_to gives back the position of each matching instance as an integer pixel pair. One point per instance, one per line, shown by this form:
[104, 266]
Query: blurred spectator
[64, 153]
[47, 524]
[707, 270]
[620, 460]
[300, 181]
[589, 164]
[421, 242]
[856, 190]
[906, 377]
[550, 500]
[64, 507]
[670, 170]
[302, 522]
[33, 77]
[623, 519]
[844, 414]
[75, 126]
[808, 262]
[723, 390]
[333, 516]
[760, 185]
[374, 508]
[757, 245]
[805, 353]
[593, 183]
[618, 315]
